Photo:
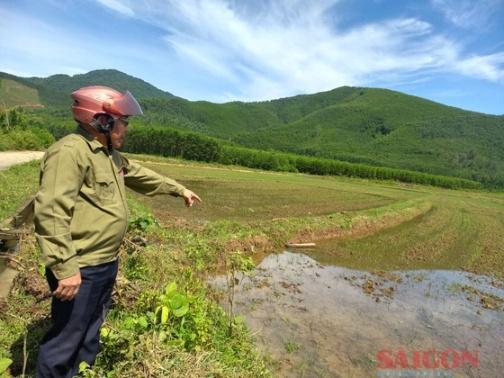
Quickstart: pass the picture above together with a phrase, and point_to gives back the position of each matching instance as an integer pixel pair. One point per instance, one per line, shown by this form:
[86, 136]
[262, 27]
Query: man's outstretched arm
[148, 182]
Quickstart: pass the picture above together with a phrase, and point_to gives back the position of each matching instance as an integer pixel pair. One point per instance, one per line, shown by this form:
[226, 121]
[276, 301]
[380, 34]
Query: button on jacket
[81, 213]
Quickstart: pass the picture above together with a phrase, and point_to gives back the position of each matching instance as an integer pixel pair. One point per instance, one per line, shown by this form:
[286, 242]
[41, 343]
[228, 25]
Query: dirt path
[8, 158]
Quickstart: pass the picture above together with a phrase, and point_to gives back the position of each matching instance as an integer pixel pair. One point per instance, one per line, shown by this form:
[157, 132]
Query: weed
[236, 264]
[291, 346]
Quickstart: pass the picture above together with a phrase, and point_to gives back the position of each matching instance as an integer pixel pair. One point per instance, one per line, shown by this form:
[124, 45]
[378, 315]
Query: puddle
[328, 321]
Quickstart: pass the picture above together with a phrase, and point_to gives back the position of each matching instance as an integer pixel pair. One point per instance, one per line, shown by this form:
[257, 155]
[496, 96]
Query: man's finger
[72, 294]
[57, 292]
[63, 294]
[197, 197]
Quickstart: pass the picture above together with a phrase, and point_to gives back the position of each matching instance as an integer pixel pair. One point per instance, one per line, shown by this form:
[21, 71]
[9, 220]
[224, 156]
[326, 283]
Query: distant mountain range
[368, 125]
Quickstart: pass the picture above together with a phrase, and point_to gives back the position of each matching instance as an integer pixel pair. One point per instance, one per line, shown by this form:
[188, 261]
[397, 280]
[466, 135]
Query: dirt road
[8, 158]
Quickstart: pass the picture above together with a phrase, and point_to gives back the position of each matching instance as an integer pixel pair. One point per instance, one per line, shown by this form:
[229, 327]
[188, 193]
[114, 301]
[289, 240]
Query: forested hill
[54, 90]
[389, 128]
[373, 126]
[366, 125]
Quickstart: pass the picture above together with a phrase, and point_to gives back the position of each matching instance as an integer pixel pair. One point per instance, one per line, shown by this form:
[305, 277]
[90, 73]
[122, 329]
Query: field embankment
[396, 226]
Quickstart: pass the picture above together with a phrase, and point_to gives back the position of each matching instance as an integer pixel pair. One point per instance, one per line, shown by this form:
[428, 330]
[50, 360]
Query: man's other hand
[68, 287]
[189, 197]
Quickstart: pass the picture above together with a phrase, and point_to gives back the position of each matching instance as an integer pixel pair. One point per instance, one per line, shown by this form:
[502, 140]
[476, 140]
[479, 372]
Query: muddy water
[328, 321]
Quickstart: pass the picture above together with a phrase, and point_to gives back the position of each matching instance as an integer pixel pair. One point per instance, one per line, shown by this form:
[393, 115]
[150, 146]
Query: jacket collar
[93, 143]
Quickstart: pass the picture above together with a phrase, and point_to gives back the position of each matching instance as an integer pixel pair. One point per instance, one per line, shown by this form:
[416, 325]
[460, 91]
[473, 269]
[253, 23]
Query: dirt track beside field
[8, 158]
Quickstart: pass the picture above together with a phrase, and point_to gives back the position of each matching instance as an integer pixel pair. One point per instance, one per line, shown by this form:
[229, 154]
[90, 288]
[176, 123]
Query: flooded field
[328, 321]
[386, 286]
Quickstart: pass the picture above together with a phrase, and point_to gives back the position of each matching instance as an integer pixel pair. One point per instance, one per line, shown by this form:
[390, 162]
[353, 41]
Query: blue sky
[450, 51]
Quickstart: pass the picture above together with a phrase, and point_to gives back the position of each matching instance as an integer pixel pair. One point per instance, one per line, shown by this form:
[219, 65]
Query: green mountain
[388, 128]
[15, 93]
[366, 125]
[20, 91]
[373, 126]
[54, 90]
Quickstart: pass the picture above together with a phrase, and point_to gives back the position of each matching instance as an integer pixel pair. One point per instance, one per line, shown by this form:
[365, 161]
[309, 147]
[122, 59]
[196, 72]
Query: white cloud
[468, 13]
[488, 67]
[259, 49]
[117, 6]
[269, 49]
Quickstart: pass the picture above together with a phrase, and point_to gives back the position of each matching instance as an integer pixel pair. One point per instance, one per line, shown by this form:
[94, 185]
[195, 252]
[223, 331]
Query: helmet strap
[109, 143]
[104, 128]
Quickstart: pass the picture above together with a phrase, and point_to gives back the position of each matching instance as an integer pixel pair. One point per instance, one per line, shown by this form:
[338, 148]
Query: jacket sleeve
[148, 182]
[61, 178]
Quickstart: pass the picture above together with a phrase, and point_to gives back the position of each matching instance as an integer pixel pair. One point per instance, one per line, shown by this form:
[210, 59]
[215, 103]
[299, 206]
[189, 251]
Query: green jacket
[81, 214]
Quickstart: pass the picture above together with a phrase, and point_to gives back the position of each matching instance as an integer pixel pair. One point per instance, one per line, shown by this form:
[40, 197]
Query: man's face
[118, 133]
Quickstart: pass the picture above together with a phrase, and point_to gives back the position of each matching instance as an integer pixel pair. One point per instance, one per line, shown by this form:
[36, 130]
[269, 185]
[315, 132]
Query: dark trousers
[75, 334]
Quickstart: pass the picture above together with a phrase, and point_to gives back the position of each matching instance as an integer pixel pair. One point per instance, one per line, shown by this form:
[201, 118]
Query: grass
[238, 194]
[291, 346]
[16, 185]
[460, 230]
[376, 225]
[135, 343]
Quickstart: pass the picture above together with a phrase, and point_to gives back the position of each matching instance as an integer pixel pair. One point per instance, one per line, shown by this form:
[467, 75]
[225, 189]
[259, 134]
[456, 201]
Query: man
[81, 219]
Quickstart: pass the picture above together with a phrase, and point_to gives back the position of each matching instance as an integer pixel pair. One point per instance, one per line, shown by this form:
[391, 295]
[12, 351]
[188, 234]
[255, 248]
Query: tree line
[175, 143]
[165, 141]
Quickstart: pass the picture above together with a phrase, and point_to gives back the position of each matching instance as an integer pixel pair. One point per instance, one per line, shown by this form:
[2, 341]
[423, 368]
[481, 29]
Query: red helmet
[93, 100]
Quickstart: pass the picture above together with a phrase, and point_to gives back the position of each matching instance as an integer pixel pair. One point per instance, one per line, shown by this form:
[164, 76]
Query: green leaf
[4, 364]
[164, 314]
[104, 332]
[171, 289]
[129, 322]
[178, 300]
[181, 311]
[42, 270]
[83, 366]
[158, 310]
[142, 322]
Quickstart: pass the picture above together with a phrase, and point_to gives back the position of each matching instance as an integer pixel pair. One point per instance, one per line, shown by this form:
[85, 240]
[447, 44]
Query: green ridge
[363, 125]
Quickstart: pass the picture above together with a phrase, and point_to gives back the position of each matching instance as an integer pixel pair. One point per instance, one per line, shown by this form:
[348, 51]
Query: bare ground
[8, 158]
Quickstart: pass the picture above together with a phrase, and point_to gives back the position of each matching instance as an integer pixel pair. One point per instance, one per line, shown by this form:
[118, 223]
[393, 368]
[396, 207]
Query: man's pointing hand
[189, 197]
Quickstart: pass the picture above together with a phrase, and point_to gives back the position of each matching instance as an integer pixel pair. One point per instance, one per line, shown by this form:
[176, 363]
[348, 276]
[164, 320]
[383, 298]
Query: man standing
[81, 219]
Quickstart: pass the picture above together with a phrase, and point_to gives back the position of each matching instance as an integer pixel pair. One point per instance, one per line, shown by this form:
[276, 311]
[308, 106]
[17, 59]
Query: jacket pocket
[105, 187]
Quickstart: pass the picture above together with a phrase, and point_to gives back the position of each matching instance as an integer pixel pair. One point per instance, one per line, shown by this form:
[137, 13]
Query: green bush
[19, 132]
[30, 139]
